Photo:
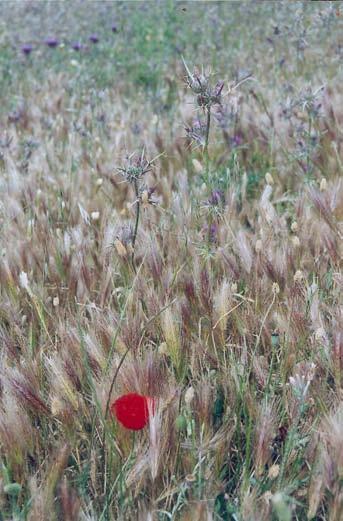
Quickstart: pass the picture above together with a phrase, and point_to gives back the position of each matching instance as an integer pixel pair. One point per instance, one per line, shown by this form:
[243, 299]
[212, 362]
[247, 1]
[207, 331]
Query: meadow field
[171, 241]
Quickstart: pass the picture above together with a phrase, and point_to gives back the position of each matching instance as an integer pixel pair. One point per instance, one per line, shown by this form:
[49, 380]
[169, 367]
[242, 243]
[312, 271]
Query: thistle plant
[134, 169]
[304, 112]
[206, 96]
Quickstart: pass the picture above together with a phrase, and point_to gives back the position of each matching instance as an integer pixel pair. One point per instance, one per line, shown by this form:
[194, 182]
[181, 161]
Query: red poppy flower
[132, 410]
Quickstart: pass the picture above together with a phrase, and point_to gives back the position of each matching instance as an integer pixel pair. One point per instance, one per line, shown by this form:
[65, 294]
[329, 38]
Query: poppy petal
[132, 411]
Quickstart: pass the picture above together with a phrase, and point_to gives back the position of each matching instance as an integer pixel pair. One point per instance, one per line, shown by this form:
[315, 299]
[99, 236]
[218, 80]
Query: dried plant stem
[264, 321]
[226, 314]
[260, 331]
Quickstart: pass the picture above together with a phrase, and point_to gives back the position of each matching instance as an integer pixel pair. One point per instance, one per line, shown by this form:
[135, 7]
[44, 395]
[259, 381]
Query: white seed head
[145, 197]
[323, 185]
[320, 334]
[234, 287]
[56, 406]
[197, 166]
[269, 179]
[119, 246]
[163, 348]
[189, 396]
[296, 241]
[258, 245]
[95, 216]
[190, 478]
[273, 471]
[55, 302]
[275, 288]
[267, 496]
[24, 281]
[294, 227]
[298, 276]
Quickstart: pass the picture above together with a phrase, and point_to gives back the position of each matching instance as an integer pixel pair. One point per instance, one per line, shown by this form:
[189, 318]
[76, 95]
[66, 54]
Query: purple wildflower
[236, 140]
[114, 28]
[77, 46]
[211, 232]
[217, 197]
[26, 49]
[94, 38]
[52, 42]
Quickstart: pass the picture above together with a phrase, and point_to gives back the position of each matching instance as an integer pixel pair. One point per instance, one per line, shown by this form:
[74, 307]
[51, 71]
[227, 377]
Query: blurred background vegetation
[140, 43]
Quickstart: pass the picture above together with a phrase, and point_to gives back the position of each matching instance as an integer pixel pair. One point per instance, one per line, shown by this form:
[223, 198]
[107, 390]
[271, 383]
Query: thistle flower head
[135, 167]
[197, 132]
[216, 198]
[197, 81]
[200, 84]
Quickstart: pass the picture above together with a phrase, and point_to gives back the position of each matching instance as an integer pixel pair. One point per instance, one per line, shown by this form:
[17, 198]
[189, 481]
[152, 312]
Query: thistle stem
[136, 223]
[207, 137]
